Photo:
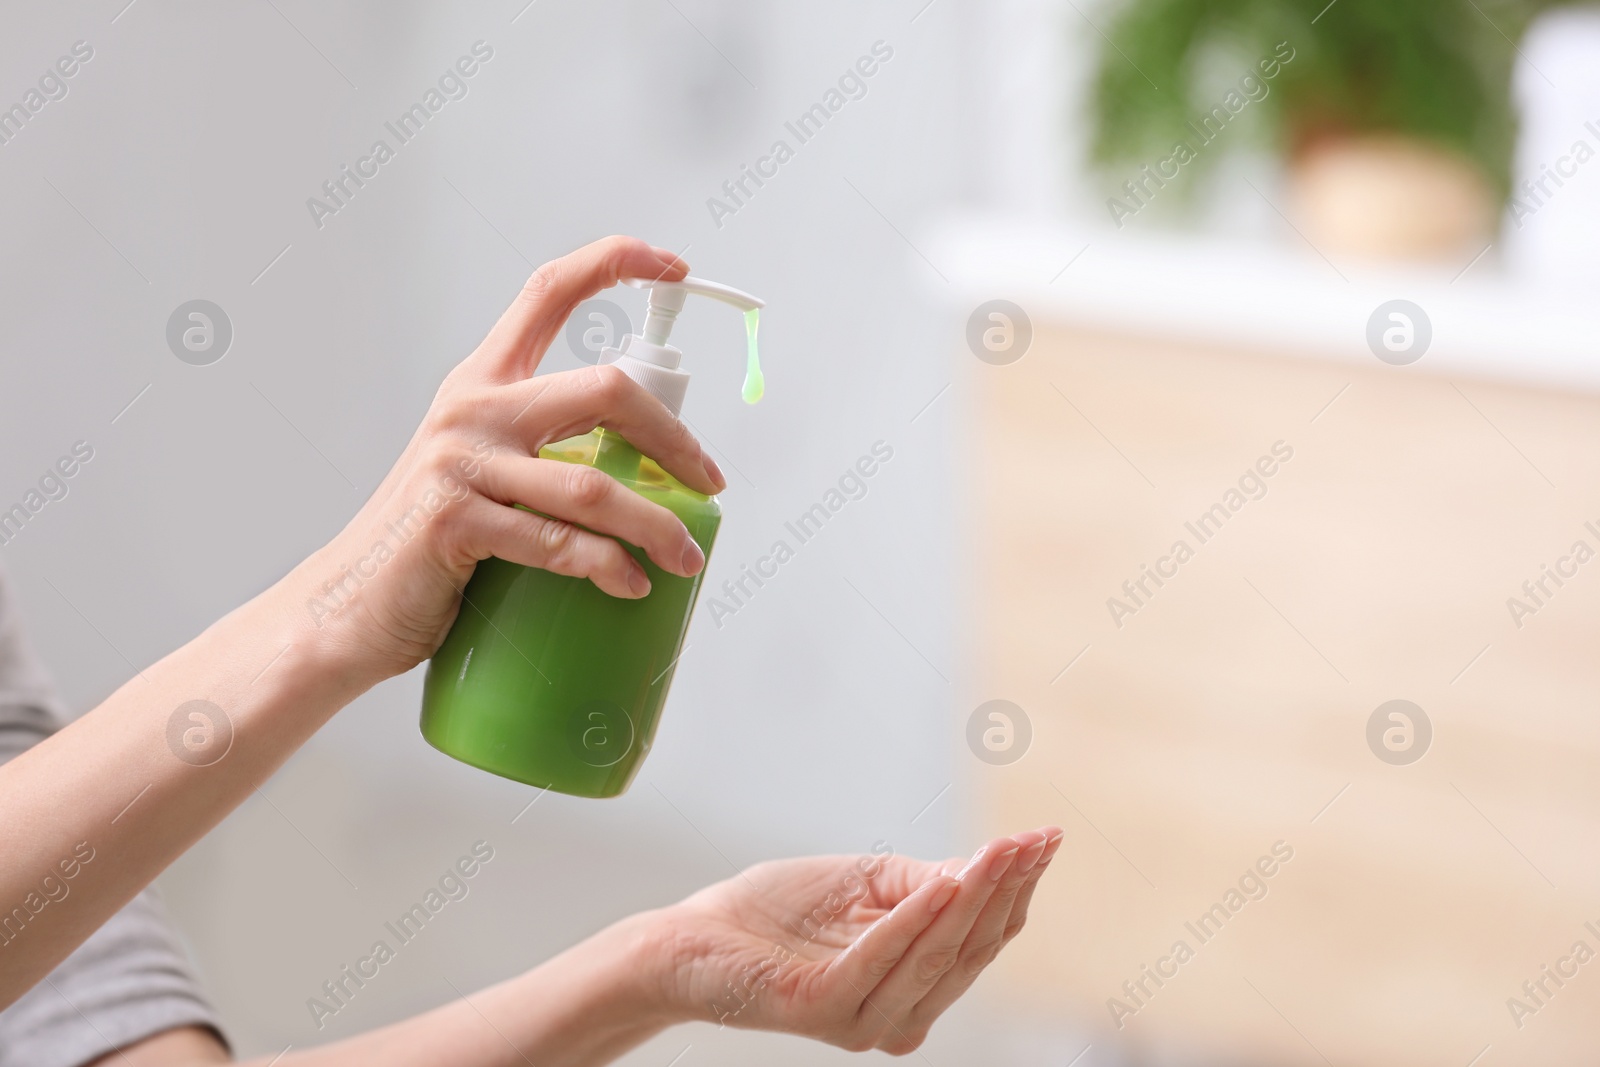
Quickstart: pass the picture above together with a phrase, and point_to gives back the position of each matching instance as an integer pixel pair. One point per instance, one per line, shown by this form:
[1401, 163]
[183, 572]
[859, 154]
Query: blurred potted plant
[1394, 116]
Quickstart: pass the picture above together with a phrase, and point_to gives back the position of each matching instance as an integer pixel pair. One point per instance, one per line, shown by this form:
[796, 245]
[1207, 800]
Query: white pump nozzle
[649, 359]
[666, 300]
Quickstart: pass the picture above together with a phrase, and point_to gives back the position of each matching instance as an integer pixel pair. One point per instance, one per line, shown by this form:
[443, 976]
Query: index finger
[518, 341]
[987, 936]
[575, 402]
[868, 959]
[935, 950]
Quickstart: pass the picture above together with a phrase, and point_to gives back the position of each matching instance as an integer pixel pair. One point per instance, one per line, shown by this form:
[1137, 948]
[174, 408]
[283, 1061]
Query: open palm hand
[859, 951]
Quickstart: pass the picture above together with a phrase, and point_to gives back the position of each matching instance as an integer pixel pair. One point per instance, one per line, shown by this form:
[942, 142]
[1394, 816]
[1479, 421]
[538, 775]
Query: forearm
[89, 816]
[92, 814]
[587, 1006]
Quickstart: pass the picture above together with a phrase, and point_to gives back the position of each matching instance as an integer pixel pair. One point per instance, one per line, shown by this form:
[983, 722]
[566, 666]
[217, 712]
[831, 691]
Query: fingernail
[1051, 844]
[1001, 864]
[974, 863]
[638, 581]
[693, 558]
[714, 472]
[943, 896]
[1030, 856]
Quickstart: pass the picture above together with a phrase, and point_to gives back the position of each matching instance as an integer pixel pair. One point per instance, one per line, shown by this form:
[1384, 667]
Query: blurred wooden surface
[1229, 712]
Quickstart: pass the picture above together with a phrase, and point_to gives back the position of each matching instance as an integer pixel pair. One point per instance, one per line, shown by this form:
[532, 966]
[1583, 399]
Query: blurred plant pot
[1390, 197]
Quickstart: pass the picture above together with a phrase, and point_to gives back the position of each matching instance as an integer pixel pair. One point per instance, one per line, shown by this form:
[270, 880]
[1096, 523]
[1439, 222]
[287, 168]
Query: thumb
[900, 876]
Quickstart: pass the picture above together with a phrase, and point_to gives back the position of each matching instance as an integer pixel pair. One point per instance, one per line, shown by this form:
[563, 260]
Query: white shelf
[1275, 298]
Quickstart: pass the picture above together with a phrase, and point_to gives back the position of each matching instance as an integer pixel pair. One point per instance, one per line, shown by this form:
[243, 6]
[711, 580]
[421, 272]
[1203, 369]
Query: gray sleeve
[132, 978]
[29, 711]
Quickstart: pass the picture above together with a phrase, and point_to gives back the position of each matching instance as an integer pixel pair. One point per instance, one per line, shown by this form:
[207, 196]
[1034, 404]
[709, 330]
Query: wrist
[593, 1002]
[321, 630]
[639, 956]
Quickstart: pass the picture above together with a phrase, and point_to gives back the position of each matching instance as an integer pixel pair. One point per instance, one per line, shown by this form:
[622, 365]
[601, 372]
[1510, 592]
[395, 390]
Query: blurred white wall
[1553, 220]
[178, 166]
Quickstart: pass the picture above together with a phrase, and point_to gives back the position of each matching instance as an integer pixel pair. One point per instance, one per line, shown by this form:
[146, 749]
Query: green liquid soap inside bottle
[545, 679]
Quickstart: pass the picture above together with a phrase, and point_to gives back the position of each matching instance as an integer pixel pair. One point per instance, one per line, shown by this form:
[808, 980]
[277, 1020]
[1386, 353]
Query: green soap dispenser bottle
[543, 678]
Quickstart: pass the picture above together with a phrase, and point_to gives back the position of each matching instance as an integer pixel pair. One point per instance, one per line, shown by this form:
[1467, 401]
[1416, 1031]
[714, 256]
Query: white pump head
[648, 359]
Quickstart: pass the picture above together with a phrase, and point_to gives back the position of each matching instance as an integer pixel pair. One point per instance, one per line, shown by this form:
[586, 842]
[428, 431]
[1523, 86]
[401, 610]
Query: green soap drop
[755, 384]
